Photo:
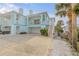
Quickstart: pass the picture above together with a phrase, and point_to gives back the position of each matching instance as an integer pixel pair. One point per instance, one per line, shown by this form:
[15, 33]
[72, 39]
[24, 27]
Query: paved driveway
[61, 48]
[24, 45]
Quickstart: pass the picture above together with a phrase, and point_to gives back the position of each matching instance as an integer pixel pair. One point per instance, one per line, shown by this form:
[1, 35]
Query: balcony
[36, 25]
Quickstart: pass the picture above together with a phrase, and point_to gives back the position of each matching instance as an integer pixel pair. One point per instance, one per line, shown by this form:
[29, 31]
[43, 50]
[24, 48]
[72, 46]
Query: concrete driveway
[61, 48]
[24, 45]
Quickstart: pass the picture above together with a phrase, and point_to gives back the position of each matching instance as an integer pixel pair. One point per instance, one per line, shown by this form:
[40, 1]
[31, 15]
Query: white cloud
[51, 15]
[7, 7]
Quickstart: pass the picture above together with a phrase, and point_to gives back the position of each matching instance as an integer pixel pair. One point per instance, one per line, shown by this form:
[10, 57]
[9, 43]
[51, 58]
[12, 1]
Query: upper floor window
[36, 21]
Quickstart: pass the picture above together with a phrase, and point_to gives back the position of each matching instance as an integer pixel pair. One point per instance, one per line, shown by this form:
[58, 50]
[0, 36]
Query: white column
[0, 22]
[13, 23]
[41, 20]
[13, 29]
[27, 24]
[45, 17]
[27, 20]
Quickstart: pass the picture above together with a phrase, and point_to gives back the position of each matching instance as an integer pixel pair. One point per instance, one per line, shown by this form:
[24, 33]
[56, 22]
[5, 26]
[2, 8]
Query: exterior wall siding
[25, 24]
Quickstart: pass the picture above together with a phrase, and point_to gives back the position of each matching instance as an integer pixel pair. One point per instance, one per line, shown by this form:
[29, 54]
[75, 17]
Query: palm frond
[61, 13]
[76, 9]
[62, 8]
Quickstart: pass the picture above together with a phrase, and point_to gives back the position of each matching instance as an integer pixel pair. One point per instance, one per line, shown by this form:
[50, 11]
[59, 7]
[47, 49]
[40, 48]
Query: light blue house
[16, 22]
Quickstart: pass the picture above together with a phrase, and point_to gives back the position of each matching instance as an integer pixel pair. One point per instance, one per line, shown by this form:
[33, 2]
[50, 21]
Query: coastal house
[15, 22]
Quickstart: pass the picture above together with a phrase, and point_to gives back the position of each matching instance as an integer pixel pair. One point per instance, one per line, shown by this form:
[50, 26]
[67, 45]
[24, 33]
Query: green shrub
[44, 32]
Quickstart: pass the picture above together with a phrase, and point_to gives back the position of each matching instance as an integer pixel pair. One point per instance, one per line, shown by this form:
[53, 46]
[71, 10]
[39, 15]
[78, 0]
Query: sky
[35, 7]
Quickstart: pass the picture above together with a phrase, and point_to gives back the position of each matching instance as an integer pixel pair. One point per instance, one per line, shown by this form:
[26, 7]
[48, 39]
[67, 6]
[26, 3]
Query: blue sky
[36, 7]
[49, 7]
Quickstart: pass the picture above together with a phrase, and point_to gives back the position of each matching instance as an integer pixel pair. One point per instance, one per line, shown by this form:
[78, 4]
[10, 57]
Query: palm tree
[58, 27]
[70, 10]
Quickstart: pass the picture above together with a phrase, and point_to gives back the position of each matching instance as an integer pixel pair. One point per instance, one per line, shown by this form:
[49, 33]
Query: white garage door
[35, 30]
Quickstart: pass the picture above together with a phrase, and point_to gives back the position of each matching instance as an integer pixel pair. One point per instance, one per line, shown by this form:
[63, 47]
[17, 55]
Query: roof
[33, 15]
[38, 14]
[8, 13]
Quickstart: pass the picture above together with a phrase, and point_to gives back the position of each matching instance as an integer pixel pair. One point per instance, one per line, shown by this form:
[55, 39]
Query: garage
[35, 30]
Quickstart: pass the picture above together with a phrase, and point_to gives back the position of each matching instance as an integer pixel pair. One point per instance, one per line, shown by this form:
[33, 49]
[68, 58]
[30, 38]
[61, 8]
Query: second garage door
[35, 30]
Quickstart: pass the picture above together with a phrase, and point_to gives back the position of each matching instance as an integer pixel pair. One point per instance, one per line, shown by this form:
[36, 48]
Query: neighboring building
[16, 22]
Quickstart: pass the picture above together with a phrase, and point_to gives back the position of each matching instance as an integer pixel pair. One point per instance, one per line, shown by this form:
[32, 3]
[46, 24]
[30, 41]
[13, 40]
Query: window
[36, 22]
